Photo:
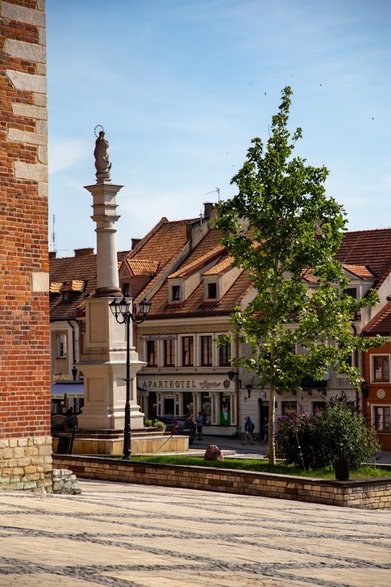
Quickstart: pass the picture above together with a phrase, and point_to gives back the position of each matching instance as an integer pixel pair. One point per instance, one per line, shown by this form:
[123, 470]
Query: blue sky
[181, 87]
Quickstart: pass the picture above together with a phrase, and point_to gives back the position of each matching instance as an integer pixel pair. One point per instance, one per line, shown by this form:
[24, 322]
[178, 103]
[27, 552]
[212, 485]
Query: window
[288, 407]
[381, 368]
[318, 407]
[187, 351]
[382, 418]
[151, 353]
[169, 353]
[61, 346]
[206, 351]
[225, 355]
[126, 290]
[212, 291]
[176, 293]
[351, 291]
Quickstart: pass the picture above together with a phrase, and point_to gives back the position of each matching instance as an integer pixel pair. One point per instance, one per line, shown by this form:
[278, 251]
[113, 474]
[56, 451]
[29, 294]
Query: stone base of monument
[111, 443]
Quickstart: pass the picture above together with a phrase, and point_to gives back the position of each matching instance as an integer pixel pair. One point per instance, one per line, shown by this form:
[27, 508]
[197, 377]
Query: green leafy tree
[284, 230]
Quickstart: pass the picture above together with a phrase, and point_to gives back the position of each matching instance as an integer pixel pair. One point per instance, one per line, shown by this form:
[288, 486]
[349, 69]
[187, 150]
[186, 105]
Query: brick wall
[24, 318]
[371, 494]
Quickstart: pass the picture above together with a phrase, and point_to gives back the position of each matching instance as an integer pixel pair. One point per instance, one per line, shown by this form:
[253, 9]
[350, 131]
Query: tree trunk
[272, 414]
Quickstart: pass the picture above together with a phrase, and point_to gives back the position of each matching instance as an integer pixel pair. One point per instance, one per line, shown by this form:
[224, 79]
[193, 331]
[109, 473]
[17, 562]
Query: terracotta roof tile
[358, 270]
[196, 264]
[142, 266]
[381, 323]
[221, 267]
[195, 304]
[371, 248]
[79, 269]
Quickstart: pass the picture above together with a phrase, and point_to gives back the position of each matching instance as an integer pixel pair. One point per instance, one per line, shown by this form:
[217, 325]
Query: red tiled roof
[363, 253]
[195, 304]
[369, 248]
[196, 264]
[358, 270]
[221, 267]
[381, 323]
[142, 266]
[162, 244]
[72, 270]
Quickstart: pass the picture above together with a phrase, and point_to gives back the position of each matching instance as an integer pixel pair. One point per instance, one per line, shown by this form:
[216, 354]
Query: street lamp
[121, 310]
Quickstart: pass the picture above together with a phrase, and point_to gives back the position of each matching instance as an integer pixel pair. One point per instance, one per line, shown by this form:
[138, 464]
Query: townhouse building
[185, 272]
[372, 248]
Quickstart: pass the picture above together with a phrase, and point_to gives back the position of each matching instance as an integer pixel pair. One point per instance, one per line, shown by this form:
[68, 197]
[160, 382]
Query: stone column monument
[104, 353]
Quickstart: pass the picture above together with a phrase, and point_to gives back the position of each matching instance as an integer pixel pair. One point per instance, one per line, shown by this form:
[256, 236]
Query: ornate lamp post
[121, 310]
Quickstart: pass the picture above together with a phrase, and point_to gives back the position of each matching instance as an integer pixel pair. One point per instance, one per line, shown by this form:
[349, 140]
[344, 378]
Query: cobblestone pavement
[124, 535]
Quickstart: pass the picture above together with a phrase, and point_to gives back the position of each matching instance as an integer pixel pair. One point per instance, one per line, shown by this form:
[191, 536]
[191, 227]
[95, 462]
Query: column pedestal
[103, 364]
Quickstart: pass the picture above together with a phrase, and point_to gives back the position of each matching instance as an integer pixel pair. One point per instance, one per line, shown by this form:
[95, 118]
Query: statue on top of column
[101, 154]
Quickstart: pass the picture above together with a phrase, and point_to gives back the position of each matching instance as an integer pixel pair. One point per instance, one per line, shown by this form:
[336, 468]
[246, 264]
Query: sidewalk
[123, 535]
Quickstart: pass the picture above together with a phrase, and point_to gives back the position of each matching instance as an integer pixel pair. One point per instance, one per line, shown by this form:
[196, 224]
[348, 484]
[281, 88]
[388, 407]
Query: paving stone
[124, 535]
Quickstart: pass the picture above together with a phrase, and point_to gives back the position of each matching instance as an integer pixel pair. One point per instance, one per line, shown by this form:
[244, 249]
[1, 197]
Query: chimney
[209, 210]
[135, 242]
[87, 252]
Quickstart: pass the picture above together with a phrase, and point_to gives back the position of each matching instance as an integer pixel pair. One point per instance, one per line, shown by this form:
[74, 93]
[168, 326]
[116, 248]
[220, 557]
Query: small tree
[281, 227]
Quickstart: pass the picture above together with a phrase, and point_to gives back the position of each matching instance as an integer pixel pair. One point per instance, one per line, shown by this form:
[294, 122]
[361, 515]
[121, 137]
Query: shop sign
[181, 384]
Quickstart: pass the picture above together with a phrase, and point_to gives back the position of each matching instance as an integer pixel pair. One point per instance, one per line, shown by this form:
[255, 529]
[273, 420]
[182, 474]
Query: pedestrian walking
[199, 423]
[248, 430]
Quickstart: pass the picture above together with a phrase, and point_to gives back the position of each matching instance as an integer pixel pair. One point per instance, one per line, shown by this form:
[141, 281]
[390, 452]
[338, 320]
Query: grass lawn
[260, 466]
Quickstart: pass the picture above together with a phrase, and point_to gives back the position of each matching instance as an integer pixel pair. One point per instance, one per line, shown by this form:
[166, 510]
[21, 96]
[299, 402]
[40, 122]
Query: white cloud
[66, 154]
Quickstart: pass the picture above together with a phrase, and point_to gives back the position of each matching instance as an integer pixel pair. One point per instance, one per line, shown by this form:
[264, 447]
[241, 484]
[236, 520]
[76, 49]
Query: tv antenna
[53, 243]
[217, 190]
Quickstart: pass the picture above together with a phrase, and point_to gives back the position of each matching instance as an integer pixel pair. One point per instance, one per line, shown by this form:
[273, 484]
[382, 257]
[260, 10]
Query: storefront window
[206, 408]
[225, 410]
[288, 407]
[188, 406]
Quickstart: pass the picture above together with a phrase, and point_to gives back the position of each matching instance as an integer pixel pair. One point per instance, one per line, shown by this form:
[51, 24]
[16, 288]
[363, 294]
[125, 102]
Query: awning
[60, 390]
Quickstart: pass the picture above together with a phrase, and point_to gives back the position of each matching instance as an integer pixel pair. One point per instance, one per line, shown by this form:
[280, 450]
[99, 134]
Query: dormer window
[351, 291]
[212, 291]
[175, 293]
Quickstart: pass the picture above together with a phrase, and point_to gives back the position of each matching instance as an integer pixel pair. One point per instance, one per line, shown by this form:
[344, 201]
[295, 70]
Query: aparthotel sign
[183, 384]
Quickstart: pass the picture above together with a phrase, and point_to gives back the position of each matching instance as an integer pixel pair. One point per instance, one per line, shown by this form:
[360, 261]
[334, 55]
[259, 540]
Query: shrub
[318, 440]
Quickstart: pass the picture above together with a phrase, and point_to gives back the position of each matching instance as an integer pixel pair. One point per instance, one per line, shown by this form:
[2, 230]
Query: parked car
[179, 425]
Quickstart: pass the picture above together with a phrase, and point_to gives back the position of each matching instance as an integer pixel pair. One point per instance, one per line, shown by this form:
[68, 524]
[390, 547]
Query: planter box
[368, 494]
